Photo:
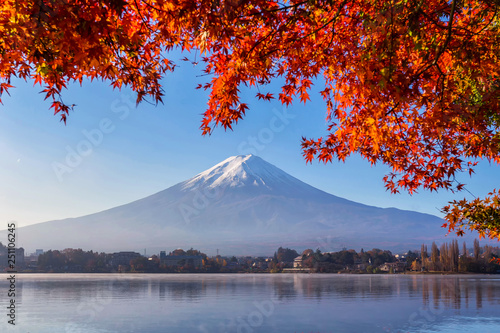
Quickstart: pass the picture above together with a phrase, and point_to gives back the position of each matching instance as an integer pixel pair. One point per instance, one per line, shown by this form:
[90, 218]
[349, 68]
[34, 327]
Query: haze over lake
[324, 303]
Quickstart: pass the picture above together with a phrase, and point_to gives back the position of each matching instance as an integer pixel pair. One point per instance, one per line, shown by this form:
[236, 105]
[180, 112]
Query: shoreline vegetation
[260, 273]
[443, 260]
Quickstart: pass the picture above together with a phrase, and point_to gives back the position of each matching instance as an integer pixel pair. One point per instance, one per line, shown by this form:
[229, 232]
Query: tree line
[450, 258]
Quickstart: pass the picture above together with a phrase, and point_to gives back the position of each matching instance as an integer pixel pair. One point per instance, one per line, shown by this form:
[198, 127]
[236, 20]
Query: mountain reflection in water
[324, 303]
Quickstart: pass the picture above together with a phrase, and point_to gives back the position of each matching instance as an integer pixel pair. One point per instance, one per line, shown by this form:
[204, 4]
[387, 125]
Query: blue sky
[111, 153]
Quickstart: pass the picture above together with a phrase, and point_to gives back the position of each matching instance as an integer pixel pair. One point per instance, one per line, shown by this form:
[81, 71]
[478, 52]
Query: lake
[244, 303]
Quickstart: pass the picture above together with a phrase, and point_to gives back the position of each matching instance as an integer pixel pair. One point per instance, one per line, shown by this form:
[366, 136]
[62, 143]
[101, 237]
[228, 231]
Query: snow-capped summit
[243, 205]
[242, 171]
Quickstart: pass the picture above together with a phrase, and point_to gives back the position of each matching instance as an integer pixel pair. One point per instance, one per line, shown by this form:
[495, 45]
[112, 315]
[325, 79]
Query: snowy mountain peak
[239, 171]
[257, 208]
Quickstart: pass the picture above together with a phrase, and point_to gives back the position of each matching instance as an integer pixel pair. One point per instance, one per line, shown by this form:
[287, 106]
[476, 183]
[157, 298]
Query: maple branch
[342, 5]
[450, 26]
[489, 23]
[144, 22]
[443, 47]
[417, 9]
[391, 51]
[275, 10]
[158, 9]
[463, 187]
[392, 110]
[125, 65]
[441, 79]
[309, 34]
[443, 27]
[260, 41]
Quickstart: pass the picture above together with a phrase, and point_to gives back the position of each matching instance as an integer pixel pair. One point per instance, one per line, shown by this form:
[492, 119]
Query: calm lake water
[243, 303]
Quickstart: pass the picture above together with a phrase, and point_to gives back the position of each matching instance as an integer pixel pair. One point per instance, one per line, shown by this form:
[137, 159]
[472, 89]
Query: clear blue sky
[127, 153]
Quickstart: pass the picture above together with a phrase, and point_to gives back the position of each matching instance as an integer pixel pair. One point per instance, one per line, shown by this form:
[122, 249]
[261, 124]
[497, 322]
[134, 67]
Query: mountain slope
[243, 205]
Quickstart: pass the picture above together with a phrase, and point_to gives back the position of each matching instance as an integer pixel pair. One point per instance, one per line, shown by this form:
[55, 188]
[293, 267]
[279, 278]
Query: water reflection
[349, 286]
[451, 291]
[456, 291]
[181, 290]
[284, 287]
[253, 303]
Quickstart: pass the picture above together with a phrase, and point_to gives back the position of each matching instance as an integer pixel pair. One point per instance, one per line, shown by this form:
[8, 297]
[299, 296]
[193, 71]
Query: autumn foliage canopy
[412, 84]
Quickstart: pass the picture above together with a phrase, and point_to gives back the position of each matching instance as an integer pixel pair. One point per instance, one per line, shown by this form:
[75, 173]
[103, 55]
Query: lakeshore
[443, 260]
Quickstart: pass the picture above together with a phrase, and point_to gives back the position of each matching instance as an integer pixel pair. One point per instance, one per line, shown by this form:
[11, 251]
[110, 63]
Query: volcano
[243, 205]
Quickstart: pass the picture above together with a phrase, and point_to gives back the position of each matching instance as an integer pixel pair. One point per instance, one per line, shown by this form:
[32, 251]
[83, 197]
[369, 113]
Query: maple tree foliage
[412, 84]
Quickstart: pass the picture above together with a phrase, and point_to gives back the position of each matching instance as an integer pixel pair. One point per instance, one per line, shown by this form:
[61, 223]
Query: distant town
[445, 258]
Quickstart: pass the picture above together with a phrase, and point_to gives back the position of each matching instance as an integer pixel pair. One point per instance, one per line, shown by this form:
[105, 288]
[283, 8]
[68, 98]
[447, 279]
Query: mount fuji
[243, 205]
